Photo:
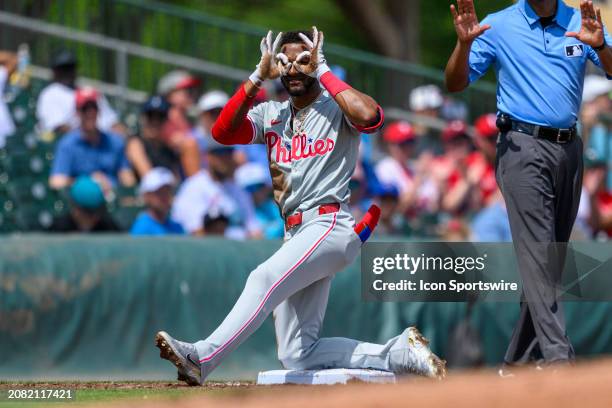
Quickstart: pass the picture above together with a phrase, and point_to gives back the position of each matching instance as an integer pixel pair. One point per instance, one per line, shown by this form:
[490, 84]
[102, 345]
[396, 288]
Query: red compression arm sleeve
[221, 130]
[333, 84]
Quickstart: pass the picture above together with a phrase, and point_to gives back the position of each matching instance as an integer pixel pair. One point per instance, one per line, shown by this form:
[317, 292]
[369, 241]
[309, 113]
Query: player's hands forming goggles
[312, 62]
[274, 63]
[267, 67]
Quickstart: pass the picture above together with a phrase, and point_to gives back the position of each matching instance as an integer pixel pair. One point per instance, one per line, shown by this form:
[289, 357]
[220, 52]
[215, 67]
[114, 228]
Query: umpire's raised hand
[466, 21]
[591, 27]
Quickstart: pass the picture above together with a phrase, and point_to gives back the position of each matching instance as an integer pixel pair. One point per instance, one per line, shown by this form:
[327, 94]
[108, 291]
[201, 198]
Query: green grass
[86, 393]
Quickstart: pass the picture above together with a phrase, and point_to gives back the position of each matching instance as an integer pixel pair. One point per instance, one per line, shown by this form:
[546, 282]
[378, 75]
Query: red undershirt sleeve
[221, 130]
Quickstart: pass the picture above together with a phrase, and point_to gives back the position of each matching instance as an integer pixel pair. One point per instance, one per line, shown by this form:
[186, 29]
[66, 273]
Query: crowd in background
[428, 182]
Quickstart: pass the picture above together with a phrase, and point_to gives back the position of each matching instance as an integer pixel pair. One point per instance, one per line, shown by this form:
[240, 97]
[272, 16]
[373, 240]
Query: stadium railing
[217, 40]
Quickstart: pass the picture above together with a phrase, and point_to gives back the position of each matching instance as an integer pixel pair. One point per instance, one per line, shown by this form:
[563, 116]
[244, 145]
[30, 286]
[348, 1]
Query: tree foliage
[435, 38]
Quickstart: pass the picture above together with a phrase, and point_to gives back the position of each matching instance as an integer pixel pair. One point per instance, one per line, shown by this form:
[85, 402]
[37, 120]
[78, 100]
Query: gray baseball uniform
[309, 167]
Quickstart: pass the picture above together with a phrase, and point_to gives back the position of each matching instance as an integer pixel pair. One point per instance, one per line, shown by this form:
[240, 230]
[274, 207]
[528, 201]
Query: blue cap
[156, 103]
[86, 193]
[386, 190]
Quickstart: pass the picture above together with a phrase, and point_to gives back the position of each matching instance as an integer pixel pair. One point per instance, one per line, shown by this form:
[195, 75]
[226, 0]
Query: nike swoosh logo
[275, 122]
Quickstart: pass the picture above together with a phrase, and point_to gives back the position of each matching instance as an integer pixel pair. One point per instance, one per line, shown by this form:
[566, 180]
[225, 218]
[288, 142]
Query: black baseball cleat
[183, 355]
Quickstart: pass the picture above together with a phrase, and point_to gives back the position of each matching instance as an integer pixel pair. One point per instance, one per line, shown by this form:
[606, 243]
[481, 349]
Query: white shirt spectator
[200, 194]
[56, 107]
[7, 127]
[390, 172]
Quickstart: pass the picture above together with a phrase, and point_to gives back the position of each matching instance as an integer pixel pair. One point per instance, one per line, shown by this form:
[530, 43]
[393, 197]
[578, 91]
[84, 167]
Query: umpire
[539, 50]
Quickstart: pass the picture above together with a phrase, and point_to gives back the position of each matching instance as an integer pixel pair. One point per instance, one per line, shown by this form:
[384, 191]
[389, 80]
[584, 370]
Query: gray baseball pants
[295, 283]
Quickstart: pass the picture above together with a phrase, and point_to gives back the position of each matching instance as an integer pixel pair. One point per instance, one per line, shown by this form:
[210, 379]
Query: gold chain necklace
[299, 118]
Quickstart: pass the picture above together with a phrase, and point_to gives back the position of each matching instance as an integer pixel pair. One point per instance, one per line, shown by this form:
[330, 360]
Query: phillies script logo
[301, 147]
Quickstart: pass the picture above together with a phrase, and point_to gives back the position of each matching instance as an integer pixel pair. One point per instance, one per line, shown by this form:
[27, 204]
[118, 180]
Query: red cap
[453, 130]
[188, 82]
[85, 95]
[485, 125]
[399, 132]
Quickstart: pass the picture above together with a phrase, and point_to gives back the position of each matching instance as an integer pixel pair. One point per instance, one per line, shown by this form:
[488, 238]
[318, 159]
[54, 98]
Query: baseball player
[312, 142]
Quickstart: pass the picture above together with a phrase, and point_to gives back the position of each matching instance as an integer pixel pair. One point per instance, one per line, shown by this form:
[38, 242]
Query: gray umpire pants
[541, 182]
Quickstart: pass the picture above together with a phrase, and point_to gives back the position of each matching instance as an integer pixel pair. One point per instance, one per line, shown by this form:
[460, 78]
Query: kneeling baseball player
[312, 142]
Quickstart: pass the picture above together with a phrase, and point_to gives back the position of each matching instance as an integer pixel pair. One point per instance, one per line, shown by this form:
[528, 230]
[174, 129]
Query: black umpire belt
[543, 132]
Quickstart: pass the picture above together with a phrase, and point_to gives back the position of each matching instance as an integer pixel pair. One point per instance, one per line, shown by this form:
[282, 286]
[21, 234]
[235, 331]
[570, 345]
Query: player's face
[296, 83]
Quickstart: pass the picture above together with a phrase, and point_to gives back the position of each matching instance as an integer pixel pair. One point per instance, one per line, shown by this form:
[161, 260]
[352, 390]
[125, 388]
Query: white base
[315, 377]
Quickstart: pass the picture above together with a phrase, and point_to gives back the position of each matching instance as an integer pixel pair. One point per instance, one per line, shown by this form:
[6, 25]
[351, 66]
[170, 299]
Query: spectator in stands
[209, 107]
[55, 108]
[491, 223]
[359, 201]
[455, 230]
[486, 135]
[416, 190]
[427, 100]
[179, 88]
[255, 179]
[87, 211]
[595, 211]
[157, 190]
[461, 172]
[482, 161]
[394, 170]
[216, 189]
[8, 63]
[216, 221]
[391, 221]
[596, 110]
[149, 149]
[255, 153]
[88, 150]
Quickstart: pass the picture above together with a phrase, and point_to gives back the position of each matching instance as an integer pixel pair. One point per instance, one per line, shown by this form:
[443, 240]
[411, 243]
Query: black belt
[506, 123]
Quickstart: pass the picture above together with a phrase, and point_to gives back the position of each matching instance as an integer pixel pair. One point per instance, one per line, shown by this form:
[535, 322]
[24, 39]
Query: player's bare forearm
[456, 75]
[359, 108]
[605, 56]
[250, 89]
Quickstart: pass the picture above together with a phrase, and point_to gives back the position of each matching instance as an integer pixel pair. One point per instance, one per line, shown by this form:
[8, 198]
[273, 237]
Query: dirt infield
[585, 385]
